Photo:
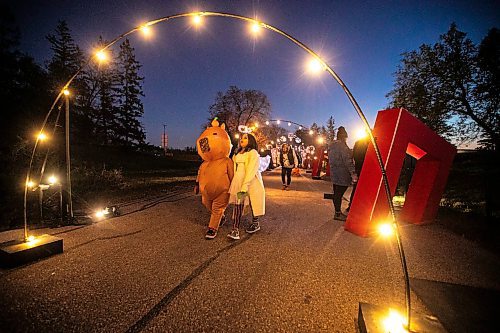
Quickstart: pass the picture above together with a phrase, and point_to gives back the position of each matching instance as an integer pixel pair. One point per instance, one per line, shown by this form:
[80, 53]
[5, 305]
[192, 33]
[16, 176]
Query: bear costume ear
[215, 123]
[223, 126]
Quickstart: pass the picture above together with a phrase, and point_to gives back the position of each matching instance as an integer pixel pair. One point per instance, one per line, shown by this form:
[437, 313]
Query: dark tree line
[107, 103]
[105, 100]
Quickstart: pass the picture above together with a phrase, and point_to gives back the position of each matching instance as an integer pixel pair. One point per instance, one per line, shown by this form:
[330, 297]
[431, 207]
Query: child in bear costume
[215, 173]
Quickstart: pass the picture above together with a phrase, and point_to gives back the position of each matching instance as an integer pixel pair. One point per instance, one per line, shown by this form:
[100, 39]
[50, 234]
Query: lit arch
[304, 47]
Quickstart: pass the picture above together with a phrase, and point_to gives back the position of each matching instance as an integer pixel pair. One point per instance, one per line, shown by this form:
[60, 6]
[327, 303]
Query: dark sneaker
[340, 217]
[234, 234]
[284, 187]
[211, 233]
[254, 227]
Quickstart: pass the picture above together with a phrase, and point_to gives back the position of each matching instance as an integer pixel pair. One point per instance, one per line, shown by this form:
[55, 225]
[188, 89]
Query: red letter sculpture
[399, 133]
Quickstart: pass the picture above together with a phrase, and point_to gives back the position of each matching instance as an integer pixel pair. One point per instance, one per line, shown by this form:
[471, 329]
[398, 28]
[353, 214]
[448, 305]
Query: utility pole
[164, 140]
[68, 159]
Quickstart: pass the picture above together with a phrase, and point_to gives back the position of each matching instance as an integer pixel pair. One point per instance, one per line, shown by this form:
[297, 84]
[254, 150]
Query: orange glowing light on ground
[386, 229]
[394, 322]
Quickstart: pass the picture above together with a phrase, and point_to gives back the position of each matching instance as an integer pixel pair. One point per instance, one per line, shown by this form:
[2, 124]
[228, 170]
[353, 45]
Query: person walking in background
[342, 171]
[247, 188]
[358, 155]
[288, 161]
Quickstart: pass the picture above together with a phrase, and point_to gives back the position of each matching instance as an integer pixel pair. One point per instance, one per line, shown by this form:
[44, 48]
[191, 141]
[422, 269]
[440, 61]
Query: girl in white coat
[247, 187]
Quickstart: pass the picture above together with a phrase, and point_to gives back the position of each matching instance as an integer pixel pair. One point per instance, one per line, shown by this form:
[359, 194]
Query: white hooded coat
[247, 178]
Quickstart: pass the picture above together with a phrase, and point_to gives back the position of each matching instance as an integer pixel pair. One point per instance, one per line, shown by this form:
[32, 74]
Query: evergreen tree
[330, 130]
[129, 107]
[104, 111]
[66, 60]
[67, 57]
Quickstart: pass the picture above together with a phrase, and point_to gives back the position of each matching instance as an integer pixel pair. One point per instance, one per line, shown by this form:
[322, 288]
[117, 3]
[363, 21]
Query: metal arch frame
[304, 47]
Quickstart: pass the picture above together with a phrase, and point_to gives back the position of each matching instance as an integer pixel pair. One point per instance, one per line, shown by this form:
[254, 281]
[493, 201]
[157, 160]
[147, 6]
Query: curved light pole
[324, 65]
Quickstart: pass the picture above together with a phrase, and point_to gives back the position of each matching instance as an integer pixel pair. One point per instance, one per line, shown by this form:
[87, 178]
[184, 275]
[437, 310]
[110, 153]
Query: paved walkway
[152, 270]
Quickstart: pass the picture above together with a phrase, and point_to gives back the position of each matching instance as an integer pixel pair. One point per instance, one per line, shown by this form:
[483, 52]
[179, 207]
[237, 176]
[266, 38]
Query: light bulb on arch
[315, 66]
[101, 55]
[197, 19]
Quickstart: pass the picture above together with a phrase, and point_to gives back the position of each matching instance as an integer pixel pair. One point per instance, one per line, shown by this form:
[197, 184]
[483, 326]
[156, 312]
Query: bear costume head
[214, 143]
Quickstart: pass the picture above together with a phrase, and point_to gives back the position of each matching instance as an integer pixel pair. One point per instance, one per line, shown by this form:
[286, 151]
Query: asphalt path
[151, 270]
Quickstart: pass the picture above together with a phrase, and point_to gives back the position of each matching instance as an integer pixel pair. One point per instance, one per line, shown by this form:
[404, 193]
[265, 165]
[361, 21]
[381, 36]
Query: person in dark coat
[288, 161]
[358, 154]
[342, 170]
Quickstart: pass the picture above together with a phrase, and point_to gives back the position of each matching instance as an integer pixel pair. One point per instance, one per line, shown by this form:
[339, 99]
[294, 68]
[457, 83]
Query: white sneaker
[234, 234]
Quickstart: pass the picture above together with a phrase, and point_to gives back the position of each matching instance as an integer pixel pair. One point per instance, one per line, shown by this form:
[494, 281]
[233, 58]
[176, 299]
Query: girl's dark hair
[252, 144]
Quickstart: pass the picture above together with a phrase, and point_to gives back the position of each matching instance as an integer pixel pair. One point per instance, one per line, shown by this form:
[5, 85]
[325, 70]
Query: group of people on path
[238, 181]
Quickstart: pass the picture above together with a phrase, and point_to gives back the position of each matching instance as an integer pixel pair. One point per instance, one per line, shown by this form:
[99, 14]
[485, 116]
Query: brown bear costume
[216, 172]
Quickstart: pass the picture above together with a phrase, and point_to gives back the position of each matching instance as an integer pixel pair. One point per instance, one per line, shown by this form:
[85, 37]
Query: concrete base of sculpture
[15, 253]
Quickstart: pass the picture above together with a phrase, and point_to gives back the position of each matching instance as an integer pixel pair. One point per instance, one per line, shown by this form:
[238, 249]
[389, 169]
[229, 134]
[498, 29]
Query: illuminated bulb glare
[42, 137]
[256, 125]
[146, 30]
[30, 184]
[361, 134]
[386, 230]
[237, 136]
[52, 180]
[289, 124]
[311, 132]
[261, 150]
[394, 322]
[99, 214]
[321, 140]
[315, 66]
[278, 122]
[101, 56]
[30, 239]
[66, 92]
[300, 127]
[267, 122]
[197, 19]
[255, 28]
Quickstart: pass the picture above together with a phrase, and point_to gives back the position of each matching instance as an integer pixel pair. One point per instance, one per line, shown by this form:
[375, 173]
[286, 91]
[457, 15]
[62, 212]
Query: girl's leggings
[238, 212]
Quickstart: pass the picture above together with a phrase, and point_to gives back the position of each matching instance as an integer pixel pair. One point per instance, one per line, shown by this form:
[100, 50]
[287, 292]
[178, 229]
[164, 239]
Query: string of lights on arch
[315, 65]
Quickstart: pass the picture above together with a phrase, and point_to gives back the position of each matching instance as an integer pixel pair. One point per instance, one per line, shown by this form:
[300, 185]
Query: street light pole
[68, 159]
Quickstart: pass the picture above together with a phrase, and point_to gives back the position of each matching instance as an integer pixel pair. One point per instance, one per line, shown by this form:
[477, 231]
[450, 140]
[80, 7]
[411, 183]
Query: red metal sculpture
[399, 133]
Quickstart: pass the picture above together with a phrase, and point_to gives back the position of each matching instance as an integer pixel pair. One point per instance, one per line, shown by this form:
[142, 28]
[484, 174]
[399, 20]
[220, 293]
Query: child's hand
[241, 195]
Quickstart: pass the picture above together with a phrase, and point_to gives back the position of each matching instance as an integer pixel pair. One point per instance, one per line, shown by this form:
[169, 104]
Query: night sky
[184, 67]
